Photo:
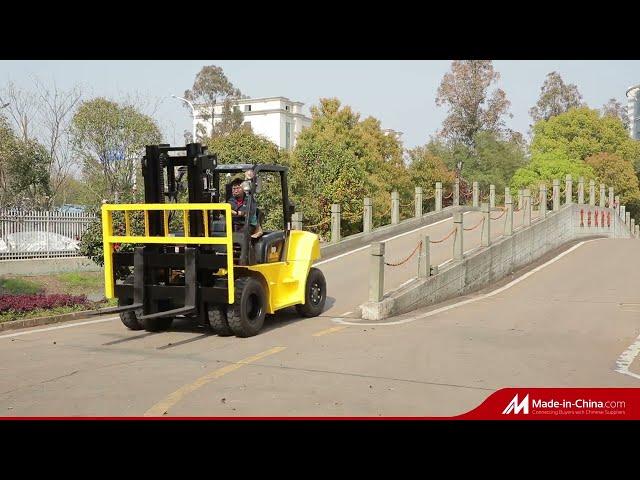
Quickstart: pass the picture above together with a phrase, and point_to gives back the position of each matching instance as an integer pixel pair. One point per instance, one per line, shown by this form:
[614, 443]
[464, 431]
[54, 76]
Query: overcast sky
[401, 94]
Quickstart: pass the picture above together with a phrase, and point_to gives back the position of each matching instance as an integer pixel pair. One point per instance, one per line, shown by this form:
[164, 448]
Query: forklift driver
[238, 203]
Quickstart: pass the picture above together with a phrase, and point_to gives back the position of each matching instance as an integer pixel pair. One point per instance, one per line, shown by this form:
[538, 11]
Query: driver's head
[236, 188]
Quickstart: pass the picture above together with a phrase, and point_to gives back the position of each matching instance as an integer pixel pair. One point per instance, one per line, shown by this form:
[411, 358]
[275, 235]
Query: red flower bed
[26, 303]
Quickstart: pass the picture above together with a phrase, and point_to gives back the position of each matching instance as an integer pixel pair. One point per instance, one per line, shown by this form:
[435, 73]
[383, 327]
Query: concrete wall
[487, 265]
[46, 266]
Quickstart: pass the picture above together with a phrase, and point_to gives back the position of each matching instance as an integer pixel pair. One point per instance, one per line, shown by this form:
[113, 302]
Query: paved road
[565, 325]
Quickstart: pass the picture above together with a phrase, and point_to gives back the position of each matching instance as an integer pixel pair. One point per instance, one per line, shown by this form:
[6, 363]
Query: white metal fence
[36, 234]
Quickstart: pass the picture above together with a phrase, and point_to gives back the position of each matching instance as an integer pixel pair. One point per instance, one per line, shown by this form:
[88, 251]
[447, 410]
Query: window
[247, 108]
[286, 107]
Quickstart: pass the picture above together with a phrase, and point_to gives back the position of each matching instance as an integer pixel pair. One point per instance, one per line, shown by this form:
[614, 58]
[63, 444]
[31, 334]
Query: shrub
[26, 303]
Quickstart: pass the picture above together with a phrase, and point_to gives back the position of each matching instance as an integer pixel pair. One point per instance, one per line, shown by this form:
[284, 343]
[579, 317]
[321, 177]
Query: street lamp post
[193, 114]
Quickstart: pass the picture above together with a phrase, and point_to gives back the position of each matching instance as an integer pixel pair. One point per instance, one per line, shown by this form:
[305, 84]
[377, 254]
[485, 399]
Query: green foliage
[340, 159]
[8, 142]
[243, 146]
[618, 173]
[582, 132]
[91, 243]
[109, 140]
[546, 167]
[426, 169]
[28, 172]
[19, 286]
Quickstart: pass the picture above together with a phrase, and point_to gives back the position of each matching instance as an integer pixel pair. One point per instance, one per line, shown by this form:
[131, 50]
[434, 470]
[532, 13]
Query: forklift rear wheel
[162, 323]
[246, 314]
[218, 320]
[315, 294]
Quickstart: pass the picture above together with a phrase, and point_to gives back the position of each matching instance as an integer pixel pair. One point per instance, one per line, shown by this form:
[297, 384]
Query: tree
[613, 108]
[616, 172]
[426, 169]
[8, 146]
[44, 114]
[472, 108]
[243, 146]
[556, 97]
[28, 175]
[548, 166]
[109, 139]
[210, 87]
[582, 132]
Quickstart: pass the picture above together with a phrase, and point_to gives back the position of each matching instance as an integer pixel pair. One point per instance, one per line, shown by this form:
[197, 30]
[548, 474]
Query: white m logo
[515, 408]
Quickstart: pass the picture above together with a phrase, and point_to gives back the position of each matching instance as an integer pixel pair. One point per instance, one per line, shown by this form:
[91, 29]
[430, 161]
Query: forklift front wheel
[130, 318]
[218, 320]
[246, 314]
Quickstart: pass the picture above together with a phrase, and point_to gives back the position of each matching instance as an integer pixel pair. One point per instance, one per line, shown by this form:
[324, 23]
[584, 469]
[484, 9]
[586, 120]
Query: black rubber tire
[246, 315]
[315, 294]
[217, 317]
[130, 318]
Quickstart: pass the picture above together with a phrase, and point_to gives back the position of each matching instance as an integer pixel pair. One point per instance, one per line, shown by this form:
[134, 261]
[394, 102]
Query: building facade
[633, 111]
[277, 118]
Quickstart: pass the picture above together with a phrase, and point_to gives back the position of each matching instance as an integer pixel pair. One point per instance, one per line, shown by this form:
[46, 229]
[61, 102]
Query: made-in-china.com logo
[515, 407]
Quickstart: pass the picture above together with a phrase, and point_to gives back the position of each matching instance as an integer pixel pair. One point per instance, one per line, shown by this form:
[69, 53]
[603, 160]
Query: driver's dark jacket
[253, 220]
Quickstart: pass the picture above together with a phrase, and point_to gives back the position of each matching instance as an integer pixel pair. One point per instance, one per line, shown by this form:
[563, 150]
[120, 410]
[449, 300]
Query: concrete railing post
[556, 195]
[507, 193]
[335, 222]
[418, 202]
[610, 197]
[617, 197]
[568, 190]
[592, 193]
[627, 219]
[581, 190]
[475, 194]
[637, 232]
[456, 193]
[296, 221]
[622, 212]
[485, 239]
[543, 201]
[508, 225]
[602, 195]
[367, 215]
[457, 242]
[492, 196]
[424, 261]
[527, 207]
[395, 207]
[520, 196]
[376, 277]
[632, 227]
[438, 196]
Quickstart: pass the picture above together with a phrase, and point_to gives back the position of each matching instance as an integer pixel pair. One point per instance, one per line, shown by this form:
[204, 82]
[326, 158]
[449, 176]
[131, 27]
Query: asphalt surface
[565, 325]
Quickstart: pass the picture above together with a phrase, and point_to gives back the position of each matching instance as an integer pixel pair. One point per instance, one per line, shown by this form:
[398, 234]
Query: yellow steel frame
[108, 237]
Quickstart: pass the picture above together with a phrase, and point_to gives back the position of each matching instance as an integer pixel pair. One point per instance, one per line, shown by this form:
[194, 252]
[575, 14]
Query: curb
[38, 321]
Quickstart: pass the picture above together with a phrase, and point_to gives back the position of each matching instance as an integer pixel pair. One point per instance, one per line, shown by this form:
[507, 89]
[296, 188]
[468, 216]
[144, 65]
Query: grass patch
[85, 280]
[19, 286]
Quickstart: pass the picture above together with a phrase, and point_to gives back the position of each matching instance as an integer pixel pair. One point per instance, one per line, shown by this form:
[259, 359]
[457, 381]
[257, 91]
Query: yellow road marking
[329, 330]
[163, 407]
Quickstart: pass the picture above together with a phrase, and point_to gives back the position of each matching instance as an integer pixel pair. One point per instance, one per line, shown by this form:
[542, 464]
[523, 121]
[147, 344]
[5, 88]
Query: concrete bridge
[520, 297]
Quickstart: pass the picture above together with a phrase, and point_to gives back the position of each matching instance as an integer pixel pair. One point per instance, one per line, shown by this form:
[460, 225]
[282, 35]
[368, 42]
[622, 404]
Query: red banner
[558, 404]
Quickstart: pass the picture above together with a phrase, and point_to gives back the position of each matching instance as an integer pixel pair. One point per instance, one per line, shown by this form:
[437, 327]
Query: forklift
[213, 270]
